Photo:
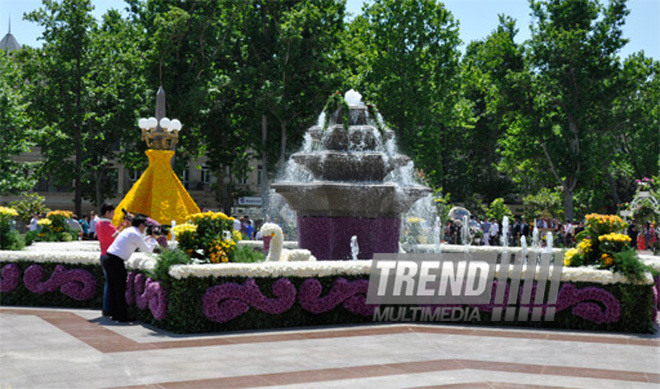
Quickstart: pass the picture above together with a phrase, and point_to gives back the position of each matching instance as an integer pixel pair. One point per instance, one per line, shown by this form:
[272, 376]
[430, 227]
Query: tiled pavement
[69, 348]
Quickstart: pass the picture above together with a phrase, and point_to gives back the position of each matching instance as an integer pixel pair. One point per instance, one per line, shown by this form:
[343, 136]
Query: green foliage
[544, 202]
[401, 53]
[497, 210]
[246, 254]
[627, 262]
[28, 205]
[166, 259]
[10, 239]
[15, 135]
[336, 105]
[474, 203]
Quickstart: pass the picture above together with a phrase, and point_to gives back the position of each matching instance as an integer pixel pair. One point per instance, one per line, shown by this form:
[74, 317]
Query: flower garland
[77, 283]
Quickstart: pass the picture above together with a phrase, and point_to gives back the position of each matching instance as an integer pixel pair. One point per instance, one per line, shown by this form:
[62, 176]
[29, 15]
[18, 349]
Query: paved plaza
[76, 348]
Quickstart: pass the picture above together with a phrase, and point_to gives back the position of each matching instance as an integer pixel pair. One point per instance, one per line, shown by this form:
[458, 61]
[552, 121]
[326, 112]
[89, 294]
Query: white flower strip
[138, 260]
[273, 269]
[334, 268]
[64, 246]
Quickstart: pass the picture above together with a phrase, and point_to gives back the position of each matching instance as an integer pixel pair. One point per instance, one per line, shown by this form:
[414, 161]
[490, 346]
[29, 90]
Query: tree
[565, 94]
[58, 86]
[404, 58]
[487, 90]
[15, 135]
[636, 129]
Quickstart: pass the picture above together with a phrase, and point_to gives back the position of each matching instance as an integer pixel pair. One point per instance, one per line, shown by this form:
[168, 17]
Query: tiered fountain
[352, 189]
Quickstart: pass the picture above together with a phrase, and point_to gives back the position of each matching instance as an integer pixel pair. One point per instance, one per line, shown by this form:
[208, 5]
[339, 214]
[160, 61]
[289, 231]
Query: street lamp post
[160, 133]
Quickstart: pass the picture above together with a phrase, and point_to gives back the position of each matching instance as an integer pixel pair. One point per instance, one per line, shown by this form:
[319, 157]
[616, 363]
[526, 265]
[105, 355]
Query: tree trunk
[568, 202]
[264, 165]
[77, 183]
[612, 184]
[282, 146]
[99, 192]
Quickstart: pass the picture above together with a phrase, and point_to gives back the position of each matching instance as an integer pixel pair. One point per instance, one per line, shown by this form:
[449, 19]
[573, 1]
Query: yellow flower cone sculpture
[158, 193]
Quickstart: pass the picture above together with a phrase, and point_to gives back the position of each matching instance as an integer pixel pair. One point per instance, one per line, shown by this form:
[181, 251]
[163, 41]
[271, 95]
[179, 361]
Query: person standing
[34, 222]
[106, 233]
[114, 260]
[494, 232]
[93, 219]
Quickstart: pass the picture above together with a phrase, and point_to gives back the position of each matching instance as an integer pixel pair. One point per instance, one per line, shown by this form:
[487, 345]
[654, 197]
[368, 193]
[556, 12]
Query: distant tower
[9, 43]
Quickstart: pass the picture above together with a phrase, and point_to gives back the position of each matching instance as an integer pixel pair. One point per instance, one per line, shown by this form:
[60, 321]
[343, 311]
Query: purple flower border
[222, 303]
[225, 302]
[78, 284]
[145, 292]
[11, 277]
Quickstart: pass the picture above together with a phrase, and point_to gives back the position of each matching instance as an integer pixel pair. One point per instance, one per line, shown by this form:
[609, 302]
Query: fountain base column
[330, 237]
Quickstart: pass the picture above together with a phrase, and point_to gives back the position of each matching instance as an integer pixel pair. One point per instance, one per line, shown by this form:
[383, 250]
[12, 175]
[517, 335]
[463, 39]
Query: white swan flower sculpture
[276, 252]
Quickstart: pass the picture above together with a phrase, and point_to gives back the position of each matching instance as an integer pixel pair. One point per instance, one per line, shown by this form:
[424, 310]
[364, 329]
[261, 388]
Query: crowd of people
[645, 235]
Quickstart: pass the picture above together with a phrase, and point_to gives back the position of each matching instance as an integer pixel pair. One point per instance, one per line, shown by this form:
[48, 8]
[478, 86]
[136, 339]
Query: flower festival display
[182, 297]
[603, 245]
[208, 237]
[54, 228]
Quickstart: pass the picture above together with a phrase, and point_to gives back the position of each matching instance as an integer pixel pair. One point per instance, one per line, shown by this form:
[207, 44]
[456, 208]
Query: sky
[477, 19]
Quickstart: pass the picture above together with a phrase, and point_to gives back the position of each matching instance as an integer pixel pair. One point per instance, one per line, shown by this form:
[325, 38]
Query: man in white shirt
[493, 232]
[113, 262]
[93, 219]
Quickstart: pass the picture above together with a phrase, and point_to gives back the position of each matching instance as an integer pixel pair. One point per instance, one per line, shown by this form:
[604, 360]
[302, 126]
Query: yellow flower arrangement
[209, 215]
[217, 251]
[606, 259]
[45, 222]
[63, 214]
[569, 255]
[604, 224]
[8, 212]
[585, 246]
[614, 237]
[183, 228]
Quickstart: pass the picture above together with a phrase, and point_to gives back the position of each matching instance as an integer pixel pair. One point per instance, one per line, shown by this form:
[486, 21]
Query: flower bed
[240, 296]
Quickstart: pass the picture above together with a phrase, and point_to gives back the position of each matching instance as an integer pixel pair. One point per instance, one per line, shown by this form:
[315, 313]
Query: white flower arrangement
[65, 246]
[273, 269]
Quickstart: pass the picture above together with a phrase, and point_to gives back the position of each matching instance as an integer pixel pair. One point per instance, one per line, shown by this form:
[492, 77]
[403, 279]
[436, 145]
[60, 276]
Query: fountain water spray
[548, 242]
[523, 248]
[504, 239]
[466, 236]
[355, 249]
[536, 244]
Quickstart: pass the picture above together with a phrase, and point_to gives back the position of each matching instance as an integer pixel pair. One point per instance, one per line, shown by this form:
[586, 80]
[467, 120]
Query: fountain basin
[342, 166]
[339, 199]
[330, 213]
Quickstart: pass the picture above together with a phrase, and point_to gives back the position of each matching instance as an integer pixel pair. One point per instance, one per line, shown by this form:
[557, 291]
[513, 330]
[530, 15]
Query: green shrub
[248, 255]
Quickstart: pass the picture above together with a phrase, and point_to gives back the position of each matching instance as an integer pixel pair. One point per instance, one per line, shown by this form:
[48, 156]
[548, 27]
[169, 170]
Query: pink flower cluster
[225, 302]
[145, 291]
[77, 283]
[11, 277]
